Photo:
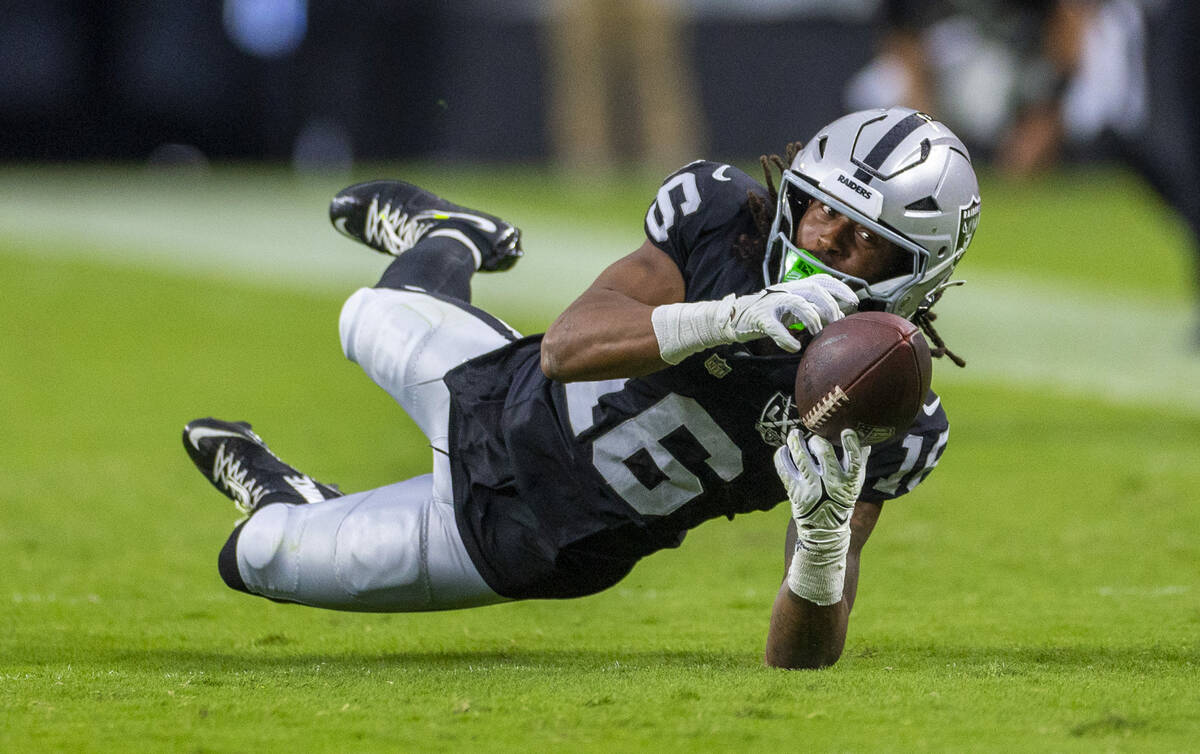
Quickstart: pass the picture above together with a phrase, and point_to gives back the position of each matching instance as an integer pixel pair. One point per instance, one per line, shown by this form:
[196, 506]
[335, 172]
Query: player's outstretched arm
[607, 332]
[632, 321]
[825, 537]
[803, 634]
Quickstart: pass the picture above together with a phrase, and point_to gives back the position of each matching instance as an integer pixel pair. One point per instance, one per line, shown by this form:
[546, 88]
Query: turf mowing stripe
[1129, 351]
[1013, 330]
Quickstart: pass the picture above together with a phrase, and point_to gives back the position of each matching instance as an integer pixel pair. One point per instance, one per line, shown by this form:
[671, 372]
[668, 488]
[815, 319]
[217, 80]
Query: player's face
[846, 246]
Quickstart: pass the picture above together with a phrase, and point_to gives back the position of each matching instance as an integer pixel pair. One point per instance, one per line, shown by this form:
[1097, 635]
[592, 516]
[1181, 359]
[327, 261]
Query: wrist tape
[685, 329]
[818, 576]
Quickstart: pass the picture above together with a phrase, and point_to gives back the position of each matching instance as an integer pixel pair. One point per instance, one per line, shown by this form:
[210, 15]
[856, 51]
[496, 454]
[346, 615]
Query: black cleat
[391, 216]
[243, 468]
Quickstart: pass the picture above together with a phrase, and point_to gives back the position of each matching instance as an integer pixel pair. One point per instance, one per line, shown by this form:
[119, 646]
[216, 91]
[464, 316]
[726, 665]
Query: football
[868, 372]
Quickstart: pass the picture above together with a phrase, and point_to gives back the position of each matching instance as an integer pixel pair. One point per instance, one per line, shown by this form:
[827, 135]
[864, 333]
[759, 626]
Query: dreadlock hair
[753, 246]
[924, 320]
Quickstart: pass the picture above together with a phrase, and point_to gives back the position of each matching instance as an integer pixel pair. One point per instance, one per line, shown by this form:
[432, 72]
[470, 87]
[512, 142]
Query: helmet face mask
[896, 172]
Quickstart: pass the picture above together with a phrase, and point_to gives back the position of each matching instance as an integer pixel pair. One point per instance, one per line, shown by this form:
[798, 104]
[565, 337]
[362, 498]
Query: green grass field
[1038, 593]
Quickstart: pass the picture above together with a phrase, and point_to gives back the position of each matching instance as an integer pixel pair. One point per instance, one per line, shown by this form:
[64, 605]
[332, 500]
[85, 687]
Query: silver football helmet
[898, 172]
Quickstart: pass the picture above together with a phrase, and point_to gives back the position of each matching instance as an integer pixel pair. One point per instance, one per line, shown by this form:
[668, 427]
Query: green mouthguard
[800, 265]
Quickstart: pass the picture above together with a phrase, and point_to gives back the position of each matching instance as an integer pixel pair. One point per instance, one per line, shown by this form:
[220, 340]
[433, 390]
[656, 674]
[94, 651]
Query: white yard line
[1023, 332]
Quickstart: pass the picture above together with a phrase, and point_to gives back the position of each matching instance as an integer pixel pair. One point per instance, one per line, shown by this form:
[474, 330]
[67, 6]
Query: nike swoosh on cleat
[929, 408]
[201, 433]
[487, 226]
[719, 173]
[306, 487]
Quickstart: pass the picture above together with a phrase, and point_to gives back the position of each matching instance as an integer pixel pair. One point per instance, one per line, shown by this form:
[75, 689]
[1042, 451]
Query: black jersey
[561, 487]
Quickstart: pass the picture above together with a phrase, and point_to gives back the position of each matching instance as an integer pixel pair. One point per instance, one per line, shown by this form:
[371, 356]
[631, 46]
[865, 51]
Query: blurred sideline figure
[1034, 77]
[620, 84]
[661, 398]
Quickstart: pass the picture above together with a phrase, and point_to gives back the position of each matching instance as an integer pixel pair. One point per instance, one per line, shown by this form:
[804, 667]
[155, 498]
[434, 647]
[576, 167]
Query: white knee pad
[259, 541]
[389, 549]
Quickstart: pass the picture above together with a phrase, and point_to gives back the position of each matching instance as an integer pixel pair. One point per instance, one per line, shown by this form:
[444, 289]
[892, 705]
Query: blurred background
[320, 83]
[603, 86]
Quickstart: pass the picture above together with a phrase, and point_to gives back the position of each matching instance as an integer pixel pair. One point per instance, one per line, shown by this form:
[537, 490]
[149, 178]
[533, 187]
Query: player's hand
[813, 302]
[822, 489]
[687, 328]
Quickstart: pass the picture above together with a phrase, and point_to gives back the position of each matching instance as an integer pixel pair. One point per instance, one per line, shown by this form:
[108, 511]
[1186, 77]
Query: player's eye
[871, 239]
[828, 211]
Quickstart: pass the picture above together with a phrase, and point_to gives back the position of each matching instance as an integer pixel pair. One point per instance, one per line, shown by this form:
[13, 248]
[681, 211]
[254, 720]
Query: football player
[662, 397]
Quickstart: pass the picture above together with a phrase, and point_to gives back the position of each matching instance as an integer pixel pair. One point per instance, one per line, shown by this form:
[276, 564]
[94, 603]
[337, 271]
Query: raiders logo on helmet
[968, 222]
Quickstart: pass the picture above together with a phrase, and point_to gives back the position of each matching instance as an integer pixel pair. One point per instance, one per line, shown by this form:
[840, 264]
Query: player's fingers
[778, 332]
[828, 296]
[847, 299]
[851, 443]
[823, 454]
[802, 461]
[800, 457]
[855, 452]
[798, 478]
[795, 443]
[790, 309]
[784, 465]
[827, 306]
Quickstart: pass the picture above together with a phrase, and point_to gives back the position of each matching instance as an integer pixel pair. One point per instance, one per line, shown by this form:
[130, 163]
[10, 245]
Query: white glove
[823, 492]
[685, 329]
